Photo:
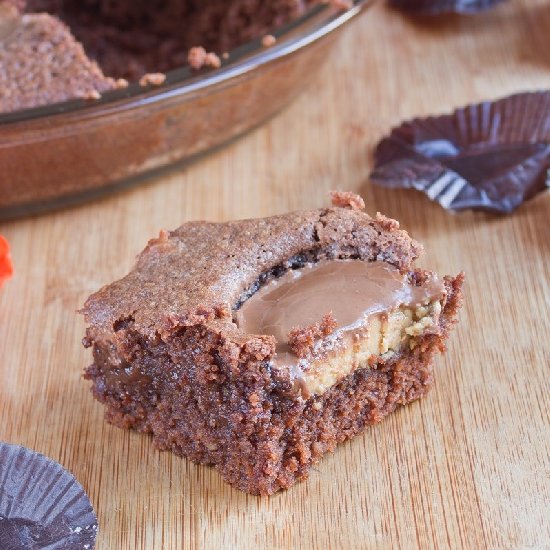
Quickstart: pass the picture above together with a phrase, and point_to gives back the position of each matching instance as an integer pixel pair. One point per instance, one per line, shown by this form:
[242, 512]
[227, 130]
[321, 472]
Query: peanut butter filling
[374, 309]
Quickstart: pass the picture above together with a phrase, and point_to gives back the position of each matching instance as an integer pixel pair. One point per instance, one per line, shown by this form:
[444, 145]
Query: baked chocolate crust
[200, 272]
[169, 360]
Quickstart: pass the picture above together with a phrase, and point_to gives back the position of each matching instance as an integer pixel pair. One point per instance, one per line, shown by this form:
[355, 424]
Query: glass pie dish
[69, 152]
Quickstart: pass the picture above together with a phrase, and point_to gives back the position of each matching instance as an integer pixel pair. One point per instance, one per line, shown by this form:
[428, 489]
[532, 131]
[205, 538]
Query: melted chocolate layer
[352, 290]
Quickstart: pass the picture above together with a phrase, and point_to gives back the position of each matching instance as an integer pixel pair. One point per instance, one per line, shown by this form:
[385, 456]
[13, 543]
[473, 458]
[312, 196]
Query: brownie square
[171, 360]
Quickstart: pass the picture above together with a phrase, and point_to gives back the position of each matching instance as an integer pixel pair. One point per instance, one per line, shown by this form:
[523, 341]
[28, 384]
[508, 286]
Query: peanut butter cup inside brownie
[373, 310]
[257, 346]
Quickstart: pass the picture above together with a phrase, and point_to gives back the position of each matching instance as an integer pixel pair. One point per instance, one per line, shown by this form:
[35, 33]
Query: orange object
[6, 267]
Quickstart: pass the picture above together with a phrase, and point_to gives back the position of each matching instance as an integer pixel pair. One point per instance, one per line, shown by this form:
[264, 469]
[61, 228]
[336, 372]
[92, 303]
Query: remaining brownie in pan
[41, 62]
[131, 37]
[258, 345]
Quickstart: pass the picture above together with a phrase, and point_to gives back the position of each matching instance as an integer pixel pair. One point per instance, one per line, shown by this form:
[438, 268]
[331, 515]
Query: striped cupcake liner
[42, 505]
[490, 156]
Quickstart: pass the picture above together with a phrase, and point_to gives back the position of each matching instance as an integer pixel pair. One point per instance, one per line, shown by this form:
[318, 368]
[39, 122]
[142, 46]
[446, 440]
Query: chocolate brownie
[127, 39]
[130, 38]
[41, 62]
[177, 354]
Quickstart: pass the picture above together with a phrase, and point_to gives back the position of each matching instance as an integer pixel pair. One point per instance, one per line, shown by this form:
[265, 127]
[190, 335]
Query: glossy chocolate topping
[352, 290]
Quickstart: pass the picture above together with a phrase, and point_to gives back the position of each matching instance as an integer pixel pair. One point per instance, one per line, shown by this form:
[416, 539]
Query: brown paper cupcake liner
[491, 156]
[42, 505]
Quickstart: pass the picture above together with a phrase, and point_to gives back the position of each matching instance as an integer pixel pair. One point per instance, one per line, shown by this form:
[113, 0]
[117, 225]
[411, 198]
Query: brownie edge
[41, 63]
[170, 361]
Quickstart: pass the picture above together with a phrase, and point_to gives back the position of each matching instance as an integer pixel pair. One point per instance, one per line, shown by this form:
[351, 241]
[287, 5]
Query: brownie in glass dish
[54, 50]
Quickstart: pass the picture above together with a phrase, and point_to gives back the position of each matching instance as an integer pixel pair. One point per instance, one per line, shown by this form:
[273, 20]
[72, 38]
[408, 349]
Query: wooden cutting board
[467, 466]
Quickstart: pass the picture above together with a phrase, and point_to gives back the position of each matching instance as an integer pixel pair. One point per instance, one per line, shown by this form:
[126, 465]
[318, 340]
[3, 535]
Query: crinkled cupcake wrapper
[490, 156]
[42, 505]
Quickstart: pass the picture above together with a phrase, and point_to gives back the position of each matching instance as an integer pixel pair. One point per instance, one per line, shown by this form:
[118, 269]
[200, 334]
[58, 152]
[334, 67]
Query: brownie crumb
[260, 347]
[342, 4]
[347, 199]
[152, 79]
[162, 242]
[268, 41]
[418, 277]
[302, 339]
[212, 60]
[90, 95]
[387, 223]
[121, 83]
[164, 235]
[198, 58]
[372, 361]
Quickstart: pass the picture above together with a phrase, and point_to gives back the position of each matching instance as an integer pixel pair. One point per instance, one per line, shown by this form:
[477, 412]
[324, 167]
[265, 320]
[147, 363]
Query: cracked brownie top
[202, 272]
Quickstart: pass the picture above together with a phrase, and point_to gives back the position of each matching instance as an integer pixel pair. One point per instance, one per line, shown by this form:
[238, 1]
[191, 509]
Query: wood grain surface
[468, 466]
